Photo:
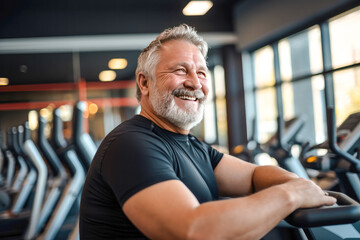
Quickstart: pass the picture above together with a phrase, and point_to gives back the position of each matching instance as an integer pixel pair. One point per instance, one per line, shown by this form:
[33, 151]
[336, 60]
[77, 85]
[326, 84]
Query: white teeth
[187, 98]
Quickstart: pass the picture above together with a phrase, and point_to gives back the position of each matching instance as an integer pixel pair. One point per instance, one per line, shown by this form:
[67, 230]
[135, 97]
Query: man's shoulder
[135, 127]
[136, 131]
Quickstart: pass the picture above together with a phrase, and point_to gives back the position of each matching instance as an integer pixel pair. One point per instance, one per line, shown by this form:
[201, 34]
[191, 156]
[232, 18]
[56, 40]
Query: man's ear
[143, 83]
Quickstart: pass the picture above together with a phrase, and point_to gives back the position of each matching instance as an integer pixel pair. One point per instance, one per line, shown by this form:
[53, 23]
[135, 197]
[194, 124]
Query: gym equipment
[84, 145]
[41, 182]
[2, 159]
[329, 222]
[57, 183]
[315, 223]
[74, 186]
[22, 224]
[10, 163]
[56, 199]
[342, 154]
[251, 151]
[279, 145]
[23, 169]
[30, 180]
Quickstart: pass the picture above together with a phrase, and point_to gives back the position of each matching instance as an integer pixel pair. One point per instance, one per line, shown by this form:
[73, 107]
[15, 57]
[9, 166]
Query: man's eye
[202, 74]
[180, 70]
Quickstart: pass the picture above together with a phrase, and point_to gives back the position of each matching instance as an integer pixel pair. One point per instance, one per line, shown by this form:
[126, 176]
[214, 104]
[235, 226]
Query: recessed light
[196, 8]
[4, 81]
[117, 63]
[107, 76]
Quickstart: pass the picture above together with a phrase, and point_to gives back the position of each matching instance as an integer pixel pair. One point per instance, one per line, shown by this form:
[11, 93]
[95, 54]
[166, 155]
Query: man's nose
[192, 81]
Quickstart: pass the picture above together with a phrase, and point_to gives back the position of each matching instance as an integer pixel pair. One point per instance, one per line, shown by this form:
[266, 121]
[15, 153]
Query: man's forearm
[252, 216]
[267, 176]
[241, 218]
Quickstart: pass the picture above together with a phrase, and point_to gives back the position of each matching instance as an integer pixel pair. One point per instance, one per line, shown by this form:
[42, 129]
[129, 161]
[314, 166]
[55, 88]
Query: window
[264, 64]
[213, 128]
[347, 93]
[345, 39]
[300, 58]
[345, 52]
[220, 92]
[266, 113]
[299, 86]
[265, 95]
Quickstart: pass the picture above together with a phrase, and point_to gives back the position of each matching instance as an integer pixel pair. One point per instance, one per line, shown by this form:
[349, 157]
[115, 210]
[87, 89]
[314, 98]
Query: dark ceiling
[38, 18]
[26, 20]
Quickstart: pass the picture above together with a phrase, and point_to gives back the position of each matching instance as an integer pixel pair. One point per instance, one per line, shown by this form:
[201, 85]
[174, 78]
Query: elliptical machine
[74, 185]
[279, 146]
[342, 154]
[342, 157]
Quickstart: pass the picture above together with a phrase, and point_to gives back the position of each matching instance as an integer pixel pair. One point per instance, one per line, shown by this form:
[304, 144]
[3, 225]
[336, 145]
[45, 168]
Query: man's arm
[168, 210]
[260, 178]
[253, 178]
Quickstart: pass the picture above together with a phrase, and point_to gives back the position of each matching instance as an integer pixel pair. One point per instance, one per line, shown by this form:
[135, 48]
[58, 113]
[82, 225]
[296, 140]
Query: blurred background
[267, 58]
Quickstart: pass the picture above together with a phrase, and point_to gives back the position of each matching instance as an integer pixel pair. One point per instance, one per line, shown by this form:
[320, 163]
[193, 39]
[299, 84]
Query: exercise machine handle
[347, 211]
[333, 144]
[280, 132]
[57, 131]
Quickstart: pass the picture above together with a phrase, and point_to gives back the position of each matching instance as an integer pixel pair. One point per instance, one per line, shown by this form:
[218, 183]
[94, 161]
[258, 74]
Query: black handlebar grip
[347, 211]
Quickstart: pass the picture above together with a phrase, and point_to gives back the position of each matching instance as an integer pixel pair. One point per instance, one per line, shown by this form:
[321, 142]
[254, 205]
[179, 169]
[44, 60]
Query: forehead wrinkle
[191, 66]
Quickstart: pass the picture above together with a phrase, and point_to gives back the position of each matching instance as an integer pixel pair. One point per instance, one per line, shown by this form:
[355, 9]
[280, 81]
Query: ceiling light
[196, 8]
[117, 63]
[4, 81]
[107, 76]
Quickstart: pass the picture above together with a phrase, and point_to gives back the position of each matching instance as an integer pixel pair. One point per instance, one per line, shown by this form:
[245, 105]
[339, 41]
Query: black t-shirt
[136, 155]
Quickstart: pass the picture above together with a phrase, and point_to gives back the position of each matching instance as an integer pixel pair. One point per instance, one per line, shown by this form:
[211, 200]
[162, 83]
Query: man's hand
[306, 194]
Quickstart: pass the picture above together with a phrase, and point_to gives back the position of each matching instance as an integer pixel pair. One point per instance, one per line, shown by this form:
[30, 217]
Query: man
[150, 178]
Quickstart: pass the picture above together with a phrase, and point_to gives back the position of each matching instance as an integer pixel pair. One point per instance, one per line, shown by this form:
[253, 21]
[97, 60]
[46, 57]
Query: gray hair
[149, 56]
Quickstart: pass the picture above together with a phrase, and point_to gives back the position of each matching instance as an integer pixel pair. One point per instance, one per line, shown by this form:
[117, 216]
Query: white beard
[164, 105]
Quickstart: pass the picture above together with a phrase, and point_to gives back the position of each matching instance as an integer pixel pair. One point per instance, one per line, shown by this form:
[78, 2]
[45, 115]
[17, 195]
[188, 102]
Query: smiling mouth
[188, 98]
[189, 95]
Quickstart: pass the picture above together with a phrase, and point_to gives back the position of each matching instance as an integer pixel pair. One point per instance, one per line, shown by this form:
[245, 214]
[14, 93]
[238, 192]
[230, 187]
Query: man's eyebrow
[183, 64]
[205, 68]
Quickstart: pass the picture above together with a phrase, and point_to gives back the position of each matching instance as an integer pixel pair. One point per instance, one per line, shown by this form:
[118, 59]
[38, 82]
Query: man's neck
[163, 123]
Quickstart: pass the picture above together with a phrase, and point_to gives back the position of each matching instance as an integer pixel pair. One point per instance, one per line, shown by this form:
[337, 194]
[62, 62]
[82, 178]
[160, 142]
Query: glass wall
[265, 94]
[219, 83]
[345, 51]
[347, 92]
[298, 86]
[345, 38]
[214, 125]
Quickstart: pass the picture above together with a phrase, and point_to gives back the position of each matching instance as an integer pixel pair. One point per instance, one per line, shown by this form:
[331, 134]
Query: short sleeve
[215, 156]
[135, 161]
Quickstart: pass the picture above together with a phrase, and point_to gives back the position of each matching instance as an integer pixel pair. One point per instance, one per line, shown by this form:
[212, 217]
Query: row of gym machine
[337, 160]
[41, 181]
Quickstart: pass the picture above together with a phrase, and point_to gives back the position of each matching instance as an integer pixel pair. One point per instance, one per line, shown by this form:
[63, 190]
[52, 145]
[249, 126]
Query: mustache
[191, 93]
